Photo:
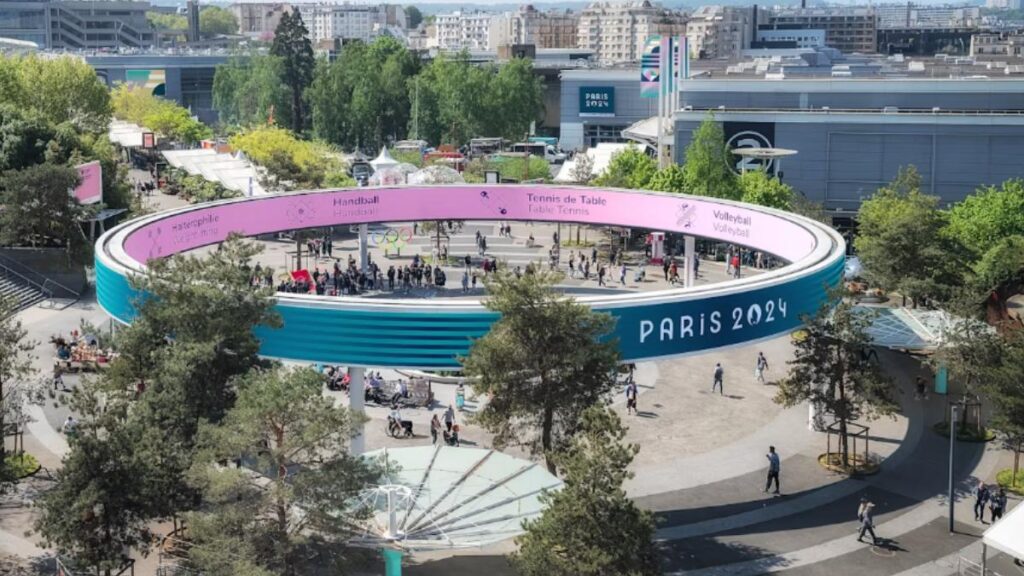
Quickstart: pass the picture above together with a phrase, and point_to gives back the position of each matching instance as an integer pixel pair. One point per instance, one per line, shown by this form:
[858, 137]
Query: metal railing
[965, 567]
[44, 284]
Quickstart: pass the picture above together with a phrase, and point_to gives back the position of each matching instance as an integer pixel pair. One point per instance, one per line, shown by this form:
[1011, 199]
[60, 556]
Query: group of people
[449, 432]
[321, 246]
[994, 499]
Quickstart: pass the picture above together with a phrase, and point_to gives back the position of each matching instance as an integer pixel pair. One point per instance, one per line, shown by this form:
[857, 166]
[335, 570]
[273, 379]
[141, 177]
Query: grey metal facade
[842, 160]
[852, 136]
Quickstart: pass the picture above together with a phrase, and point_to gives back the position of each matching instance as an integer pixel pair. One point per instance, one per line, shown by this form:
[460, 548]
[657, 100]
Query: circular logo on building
[749, 139]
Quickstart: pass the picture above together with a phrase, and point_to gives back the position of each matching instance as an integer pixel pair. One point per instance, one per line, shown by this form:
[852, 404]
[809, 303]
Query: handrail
[10, 264]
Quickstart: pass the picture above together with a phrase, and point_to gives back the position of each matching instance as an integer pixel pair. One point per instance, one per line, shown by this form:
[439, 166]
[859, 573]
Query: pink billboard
[703, 217]
[90, 187]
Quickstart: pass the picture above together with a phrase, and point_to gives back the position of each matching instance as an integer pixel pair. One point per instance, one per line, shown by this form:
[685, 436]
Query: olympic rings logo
[394, 238]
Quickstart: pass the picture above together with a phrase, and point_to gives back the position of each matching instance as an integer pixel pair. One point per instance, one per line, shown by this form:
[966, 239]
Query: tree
[94, 512]
[216, 21]
[24, 138]
[671, 179]
[413, 16]
[517, 99]
[582, 168]
[831, 371]
[759, 188]
[901, 244]
[288, 508]
[16, 383]
[139, 105]
[249, 91]
[361, 100]
[66, 89]
[38, 209]
[988, 216]
[292, 46]
[165, 22]
[189, 340]
[708, 166]
[629, 168]
[590, 527]
[545, 361]
[997, 277]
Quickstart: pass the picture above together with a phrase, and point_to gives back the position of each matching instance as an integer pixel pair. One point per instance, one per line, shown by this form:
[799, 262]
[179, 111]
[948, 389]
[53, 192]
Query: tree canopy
[38, 211]
[707, 169]
[590, 527]
[292, 46]
[249, 91]
[759, 188]
[16, 375]
[988, 216]
[545, 361]
[361, 99]
[60, 89]
[901, 242]
[629, 168]
[217, 21]
[286, 509]
[137, 104]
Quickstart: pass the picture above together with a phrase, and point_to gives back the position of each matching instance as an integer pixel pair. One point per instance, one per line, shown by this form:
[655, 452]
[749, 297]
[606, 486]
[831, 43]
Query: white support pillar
[364, 263]
[689, 250]
[357, 402]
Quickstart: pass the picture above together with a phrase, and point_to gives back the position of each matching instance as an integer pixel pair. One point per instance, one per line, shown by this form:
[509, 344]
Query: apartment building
[1005, 44]
[910, 15]
[543, 29]
[463, 31]
[617, 31]
[78, 25]
[258, 20]
[721, 31]
[343, 21]
[846, 29]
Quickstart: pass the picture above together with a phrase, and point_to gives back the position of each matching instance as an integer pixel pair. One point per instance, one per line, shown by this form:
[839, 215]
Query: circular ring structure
[432, 335]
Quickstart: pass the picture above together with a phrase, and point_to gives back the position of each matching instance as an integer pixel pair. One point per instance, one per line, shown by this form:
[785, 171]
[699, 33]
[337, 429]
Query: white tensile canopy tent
[601, 157]
[1006, 535]
[383, 161]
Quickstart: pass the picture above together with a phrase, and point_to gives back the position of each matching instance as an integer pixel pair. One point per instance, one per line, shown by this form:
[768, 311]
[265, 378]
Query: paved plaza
[701, 466]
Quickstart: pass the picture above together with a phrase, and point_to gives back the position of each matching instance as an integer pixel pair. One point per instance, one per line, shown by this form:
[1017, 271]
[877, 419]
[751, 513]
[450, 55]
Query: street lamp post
[952, 452]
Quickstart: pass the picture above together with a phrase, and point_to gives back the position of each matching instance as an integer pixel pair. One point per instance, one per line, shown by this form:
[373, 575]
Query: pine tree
[292, 45]
[545, 361]
[590, 527]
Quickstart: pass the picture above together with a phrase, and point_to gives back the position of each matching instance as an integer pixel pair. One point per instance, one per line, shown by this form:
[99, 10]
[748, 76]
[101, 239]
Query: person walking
[631, 393]
[622, 274]
[773, 469]
[435, 429]
[762, 365]
[981, 497]
[998, 504]
[866, 515]
[665, 267]
[449, 418]
[600, 275]
[719, 373]
[465, 281]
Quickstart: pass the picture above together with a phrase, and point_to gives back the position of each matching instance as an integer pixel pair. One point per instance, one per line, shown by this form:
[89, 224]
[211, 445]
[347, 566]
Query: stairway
[22, 294]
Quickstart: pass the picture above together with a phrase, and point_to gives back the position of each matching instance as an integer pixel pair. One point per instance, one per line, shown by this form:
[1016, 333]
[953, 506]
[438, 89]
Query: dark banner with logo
[750, 135]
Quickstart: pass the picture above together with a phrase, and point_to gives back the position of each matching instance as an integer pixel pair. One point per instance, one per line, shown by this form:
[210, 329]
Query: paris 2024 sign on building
[401, 332]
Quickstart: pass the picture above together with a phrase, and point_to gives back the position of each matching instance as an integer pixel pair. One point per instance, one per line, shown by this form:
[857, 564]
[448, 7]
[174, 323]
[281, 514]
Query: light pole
[952, 452]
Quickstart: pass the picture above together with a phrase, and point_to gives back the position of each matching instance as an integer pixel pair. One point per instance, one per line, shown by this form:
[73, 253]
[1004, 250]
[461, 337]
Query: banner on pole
[650, 67]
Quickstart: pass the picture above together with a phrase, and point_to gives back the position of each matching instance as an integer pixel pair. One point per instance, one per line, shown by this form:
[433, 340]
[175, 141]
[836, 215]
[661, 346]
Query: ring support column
[364, 263]
[357, 403]
[689, 248]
